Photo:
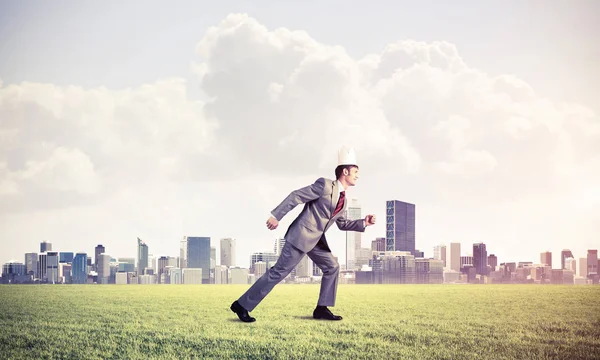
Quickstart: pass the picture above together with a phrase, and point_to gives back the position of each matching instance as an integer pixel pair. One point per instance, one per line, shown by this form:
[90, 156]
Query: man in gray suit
[325, 204]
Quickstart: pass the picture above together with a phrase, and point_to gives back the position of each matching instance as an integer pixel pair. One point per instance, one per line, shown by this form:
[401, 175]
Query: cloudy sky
[125, 120]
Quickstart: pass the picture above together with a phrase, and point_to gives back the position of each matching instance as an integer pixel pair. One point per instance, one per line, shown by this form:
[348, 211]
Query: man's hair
[340, 169]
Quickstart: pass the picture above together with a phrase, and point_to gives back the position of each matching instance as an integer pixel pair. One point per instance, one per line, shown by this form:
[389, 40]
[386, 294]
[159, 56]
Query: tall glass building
[198, 256]
[400, 226]
[65, 257]
[142, 256]
[79, 269]
[480, 258]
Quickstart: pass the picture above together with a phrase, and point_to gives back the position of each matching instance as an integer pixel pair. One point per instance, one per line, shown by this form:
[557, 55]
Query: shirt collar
[340, 186]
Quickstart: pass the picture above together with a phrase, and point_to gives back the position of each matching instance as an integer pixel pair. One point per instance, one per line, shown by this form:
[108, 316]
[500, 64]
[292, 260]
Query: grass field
[380, 321]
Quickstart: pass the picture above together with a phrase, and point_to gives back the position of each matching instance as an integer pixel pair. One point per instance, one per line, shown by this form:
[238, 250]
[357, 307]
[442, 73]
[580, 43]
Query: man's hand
[369, 220]
[272, 223]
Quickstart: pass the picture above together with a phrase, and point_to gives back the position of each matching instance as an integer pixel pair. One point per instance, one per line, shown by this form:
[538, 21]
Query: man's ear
[346, 172]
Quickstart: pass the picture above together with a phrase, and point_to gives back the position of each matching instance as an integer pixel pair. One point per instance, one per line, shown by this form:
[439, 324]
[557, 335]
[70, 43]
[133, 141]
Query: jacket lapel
[335, 196]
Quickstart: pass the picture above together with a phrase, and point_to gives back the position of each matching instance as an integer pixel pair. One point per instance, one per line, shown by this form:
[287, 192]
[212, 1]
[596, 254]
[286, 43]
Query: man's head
[347, 174]
[347, 170]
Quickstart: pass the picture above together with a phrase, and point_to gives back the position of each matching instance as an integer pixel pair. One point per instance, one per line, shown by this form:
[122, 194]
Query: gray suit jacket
[309, 227]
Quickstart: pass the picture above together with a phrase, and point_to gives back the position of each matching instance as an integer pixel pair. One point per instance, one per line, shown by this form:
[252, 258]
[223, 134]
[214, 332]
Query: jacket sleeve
[300, 196]
[350, 225]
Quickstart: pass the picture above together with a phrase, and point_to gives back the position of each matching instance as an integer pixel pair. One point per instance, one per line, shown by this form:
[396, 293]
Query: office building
[378, 244]
[45, 246]
[183, 253]
[14, 272]
[238, 275]
[65, 257]
[480, 258]
[142, 256]
[103, 268]
[353, 238]
[198, 255]
[453, 257]
[221, 274]
[192, 275]
[592, 262]
[100, 249]
[571, 265]
[228, 252]
[260, 267]
[439, 253]
[400, 226]
[429, 271]
[269, 258]
[565, 254]
[546, 258]
[31, 264]
[79, 269]
[52, 267]
[492, 262]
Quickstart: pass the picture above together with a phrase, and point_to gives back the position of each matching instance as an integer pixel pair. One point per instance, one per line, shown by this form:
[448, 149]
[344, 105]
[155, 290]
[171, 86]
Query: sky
[125, 120]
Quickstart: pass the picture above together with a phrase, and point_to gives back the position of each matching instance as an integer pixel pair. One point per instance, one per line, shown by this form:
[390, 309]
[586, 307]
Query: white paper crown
[346, 156]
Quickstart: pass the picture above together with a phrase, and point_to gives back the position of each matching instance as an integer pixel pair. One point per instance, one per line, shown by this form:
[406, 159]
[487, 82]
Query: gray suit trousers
[289, 258]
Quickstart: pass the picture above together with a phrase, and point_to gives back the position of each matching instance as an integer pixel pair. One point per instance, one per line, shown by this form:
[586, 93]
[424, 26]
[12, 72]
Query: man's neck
[344, 185]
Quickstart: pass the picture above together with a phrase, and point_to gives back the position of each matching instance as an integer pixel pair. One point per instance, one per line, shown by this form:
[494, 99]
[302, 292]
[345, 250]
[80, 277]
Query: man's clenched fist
[272, 223]
[370, 220]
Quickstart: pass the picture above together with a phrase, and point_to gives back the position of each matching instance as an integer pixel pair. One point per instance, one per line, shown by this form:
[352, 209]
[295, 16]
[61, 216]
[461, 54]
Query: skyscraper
[583, 269]
[378, 244]
[592, 262]
[142, 256]
[99, 250]
[480, 258]
[52, 267]
[564, 255]
[400, 226]
[353, 238]
[439, 253]
[546, 258]
[183, 253]
[163, 262]
[65, 257]
[492, 262]
[79, 269]
[228, 252]
[45, 246]
[103, 268]
[198, 253]
[41, 272]
[31, 260]
[269, 258]
[571, 265]
[453, 257]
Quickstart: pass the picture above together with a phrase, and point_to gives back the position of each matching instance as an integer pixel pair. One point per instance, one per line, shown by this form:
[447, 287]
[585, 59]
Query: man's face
[352, 176]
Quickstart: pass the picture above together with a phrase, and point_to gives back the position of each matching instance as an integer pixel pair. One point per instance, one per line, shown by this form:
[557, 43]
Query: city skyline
[200, 119]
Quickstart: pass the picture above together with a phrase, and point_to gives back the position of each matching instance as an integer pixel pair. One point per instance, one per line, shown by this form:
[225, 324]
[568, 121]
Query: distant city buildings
[392, 259]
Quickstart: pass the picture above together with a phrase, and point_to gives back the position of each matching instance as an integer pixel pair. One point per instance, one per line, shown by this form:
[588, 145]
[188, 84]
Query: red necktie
[340, 203]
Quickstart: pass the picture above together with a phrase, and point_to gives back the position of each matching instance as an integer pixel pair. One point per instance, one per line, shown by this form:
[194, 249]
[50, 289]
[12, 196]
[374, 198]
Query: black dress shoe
[241, 312]
[322, 312]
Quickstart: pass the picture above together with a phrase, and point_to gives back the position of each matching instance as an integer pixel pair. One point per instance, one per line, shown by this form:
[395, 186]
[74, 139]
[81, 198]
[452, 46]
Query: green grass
[380, 321]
